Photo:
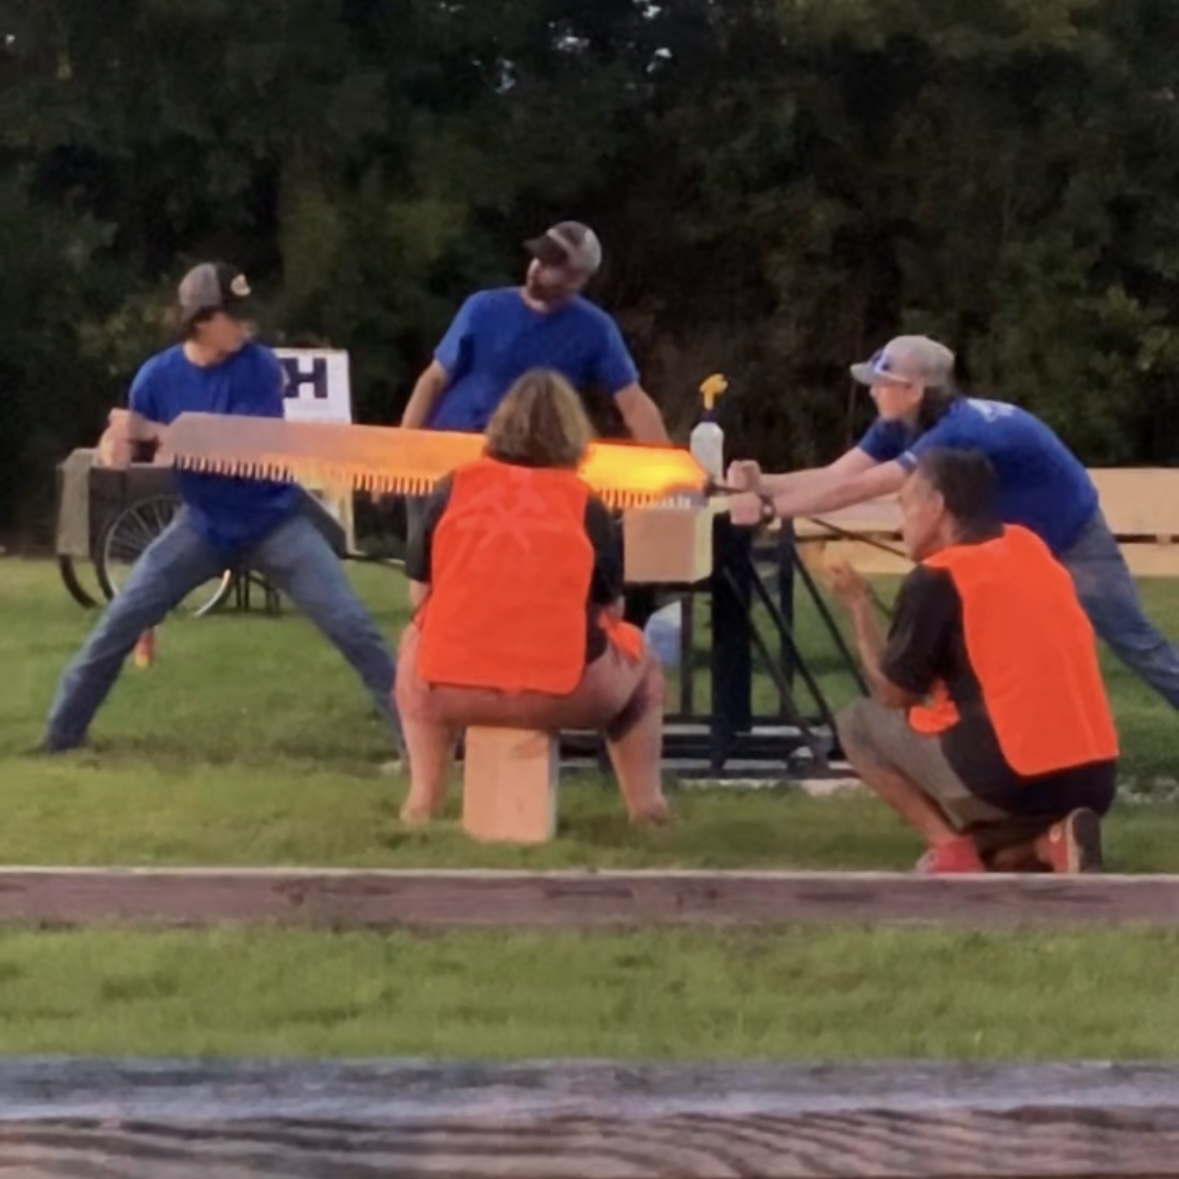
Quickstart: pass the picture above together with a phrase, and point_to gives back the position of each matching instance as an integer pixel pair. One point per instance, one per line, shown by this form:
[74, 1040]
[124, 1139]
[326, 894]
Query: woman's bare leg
[635, 743]
[431, 755]
[429, 742]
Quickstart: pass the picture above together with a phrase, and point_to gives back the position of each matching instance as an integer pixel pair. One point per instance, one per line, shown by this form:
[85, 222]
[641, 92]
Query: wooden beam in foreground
[569, 1120]
[572, 899]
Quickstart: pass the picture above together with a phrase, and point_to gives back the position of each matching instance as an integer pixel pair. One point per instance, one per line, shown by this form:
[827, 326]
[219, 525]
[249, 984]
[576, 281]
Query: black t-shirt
[927, 644]
[600, 527]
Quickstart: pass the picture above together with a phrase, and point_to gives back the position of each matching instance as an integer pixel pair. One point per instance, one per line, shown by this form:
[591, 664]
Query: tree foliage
[780, 185]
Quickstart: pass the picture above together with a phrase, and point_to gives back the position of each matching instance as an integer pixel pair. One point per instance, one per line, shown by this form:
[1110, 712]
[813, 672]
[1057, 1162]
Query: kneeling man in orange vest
[515, 570]
[989, 729]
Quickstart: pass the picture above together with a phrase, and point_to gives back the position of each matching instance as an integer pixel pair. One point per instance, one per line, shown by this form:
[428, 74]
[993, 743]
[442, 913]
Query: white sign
[318, 388]
[318, 385]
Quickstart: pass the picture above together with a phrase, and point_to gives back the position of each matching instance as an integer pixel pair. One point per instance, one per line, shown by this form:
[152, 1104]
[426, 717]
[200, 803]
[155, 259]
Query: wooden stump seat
[510, 779]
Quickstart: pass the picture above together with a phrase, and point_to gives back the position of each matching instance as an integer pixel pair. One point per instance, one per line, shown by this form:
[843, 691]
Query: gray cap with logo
[212, 286]
[569, 244]
[908, 360]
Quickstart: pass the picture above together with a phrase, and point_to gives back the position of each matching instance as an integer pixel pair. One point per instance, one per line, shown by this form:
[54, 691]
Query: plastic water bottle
[663, 631]
[707, 440]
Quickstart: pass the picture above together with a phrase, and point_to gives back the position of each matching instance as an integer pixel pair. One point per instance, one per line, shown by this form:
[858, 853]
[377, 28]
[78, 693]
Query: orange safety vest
[511, 566]
[1033, 650]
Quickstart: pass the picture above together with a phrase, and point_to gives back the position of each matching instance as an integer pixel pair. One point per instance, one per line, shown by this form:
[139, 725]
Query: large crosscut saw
[398, 461]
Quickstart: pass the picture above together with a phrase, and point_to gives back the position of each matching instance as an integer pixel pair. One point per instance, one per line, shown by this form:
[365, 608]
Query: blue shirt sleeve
[883, 442]
[142, 399]
[614, 367]
[940, 434]
[454, 350]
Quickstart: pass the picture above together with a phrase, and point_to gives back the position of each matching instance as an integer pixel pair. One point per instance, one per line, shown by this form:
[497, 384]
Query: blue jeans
[1110, 598]
[294, 557]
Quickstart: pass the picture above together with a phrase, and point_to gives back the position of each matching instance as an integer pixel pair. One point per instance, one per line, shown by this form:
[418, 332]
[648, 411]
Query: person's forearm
[809, 482]
[425, 393]
[116, 447]
[645, 422]
[869, 643]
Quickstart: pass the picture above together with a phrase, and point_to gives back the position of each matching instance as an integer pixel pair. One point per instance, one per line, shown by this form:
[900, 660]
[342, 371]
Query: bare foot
[652, 815]
[418, 814]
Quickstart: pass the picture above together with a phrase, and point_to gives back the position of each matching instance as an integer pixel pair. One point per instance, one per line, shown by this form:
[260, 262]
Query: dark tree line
[780, 185]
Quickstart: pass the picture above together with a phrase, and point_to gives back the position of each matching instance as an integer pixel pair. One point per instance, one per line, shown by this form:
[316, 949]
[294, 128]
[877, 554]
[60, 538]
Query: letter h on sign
[317, 378]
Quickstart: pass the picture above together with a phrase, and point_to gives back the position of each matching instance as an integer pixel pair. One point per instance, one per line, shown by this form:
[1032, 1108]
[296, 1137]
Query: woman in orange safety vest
[516, 575]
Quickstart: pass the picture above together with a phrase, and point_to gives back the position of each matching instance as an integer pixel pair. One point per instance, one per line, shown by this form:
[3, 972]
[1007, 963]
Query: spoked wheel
[73, 583]
[129, 534]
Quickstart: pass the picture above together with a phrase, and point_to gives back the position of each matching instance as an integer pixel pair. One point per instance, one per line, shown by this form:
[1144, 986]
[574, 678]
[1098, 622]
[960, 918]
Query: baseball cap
[907, 360]
[569, 244]
[213, 286]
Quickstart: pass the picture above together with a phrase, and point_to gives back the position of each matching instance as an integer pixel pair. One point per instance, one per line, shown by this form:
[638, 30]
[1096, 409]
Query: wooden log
[574, 899]
[569, 1120]
[510, 781]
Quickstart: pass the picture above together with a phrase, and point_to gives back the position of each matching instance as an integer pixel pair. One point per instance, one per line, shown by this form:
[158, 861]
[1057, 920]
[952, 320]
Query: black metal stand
[729, 739]
[244, 583]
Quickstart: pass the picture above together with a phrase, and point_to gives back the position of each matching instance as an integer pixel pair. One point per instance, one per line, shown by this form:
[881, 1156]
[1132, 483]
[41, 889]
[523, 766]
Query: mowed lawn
[786, 994]
[250, 742]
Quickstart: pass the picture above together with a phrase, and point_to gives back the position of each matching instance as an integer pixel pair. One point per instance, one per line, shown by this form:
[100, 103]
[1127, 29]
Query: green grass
[250, 742]
[801, 994]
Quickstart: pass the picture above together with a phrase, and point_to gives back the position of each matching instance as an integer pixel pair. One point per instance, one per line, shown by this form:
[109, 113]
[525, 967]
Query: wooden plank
[1140, 504]
[877, 517]
[865, 557]
[1144, 560]
[666, 545]
[1139, 501]
[572, 899]
[599, 1120]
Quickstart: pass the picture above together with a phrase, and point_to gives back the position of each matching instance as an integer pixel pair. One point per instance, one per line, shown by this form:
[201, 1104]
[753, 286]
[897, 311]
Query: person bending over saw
[988, 728]
[224, 522]
[1042, 486]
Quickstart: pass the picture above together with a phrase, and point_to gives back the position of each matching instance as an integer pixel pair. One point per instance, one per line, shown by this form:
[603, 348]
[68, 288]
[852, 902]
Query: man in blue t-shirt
[1042, 486]
[225, 522]
[499, 335]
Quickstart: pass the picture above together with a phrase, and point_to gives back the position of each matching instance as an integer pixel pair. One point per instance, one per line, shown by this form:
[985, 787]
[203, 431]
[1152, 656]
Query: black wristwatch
[768, 514]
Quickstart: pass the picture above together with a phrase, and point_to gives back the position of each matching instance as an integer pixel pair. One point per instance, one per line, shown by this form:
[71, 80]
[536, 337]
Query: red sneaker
[1073, 845]
[959, 856]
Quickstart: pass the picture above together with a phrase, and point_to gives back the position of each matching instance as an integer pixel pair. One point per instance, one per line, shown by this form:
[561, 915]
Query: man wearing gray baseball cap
[225, 522]
[1042, 486]
[547, 323]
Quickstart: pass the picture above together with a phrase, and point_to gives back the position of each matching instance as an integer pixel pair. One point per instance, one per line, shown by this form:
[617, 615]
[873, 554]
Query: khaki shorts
[886, 736]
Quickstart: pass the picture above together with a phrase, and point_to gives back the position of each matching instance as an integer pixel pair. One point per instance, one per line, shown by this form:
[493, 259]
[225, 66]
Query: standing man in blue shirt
[1042, 487]
[225, 522]
[499, 335]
